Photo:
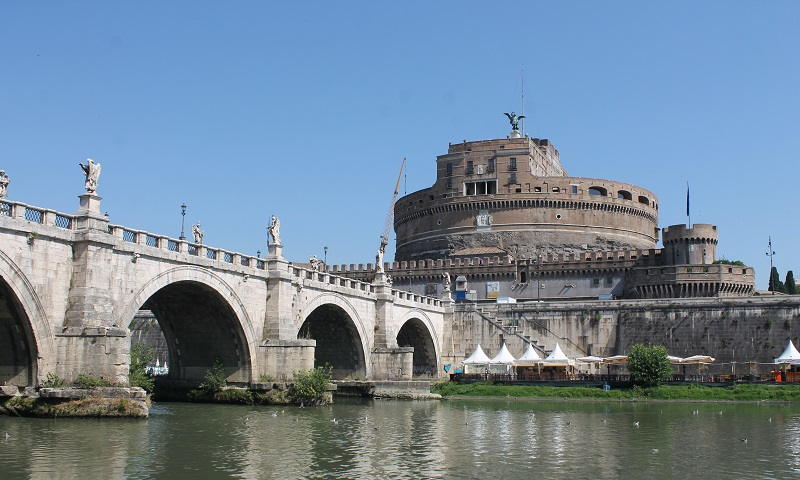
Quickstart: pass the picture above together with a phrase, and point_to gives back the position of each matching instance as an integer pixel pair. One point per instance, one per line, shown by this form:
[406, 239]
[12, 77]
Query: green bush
[141, 356]
[648, 365]
[725, 261]
[310, 386]
[88, 381]
[54, 381]
[215, 379]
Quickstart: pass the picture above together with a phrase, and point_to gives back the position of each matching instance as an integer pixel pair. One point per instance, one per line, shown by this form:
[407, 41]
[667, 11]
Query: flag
[687, 199]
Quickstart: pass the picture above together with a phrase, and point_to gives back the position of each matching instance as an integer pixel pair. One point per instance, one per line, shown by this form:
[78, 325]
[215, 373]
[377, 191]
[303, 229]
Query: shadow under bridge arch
[202, 323]
[415, 333]
[339, 343]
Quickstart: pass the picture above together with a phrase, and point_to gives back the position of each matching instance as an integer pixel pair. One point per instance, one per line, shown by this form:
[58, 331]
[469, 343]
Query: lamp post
[538, 281]
[183, 221]
[770, 254]
[325, 256]
[258, 254]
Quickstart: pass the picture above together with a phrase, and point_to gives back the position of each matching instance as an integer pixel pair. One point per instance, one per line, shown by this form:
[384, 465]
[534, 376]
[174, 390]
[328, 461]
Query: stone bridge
[70, 284]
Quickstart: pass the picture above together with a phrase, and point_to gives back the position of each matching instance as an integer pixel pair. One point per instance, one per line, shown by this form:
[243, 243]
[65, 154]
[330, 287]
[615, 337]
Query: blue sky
[305, 110]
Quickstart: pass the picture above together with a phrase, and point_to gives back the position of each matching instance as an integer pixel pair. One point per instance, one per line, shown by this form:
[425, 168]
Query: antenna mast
[522, 98]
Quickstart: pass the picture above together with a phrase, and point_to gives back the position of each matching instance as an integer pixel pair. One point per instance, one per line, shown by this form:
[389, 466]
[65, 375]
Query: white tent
[674, 359]
[616, 359]
[698, 359]
[589, 359]
[501, 363]
[477, 362]
[790, 355]
[557, 357]
[530, 357]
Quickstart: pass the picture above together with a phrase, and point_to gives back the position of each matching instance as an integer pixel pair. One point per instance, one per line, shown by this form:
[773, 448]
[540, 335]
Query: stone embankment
[75, 402]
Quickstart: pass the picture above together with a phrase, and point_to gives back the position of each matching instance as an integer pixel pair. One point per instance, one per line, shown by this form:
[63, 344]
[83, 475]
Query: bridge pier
[388, 361]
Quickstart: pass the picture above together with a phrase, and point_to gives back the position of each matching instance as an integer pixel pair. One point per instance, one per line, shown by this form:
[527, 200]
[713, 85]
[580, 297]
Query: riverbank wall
[733, 329]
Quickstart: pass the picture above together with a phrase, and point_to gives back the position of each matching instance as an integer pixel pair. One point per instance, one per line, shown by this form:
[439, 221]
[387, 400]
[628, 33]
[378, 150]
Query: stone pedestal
[88, 216]
[281, 358]
[94, 351]
[392, 363]
[384, 306]
[274, 250]
[515, 134]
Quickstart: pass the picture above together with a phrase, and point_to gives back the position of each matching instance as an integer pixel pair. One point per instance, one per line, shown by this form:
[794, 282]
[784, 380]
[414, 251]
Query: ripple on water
[394, 439]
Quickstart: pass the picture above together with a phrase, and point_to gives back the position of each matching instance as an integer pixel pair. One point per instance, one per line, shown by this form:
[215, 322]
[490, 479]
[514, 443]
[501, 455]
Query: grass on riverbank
[84, 407]
[664, 392]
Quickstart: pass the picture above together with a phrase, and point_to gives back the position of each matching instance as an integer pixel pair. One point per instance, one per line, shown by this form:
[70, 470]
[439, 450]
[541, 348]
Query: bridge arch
[416, 330]
[202, 319]
[341, 337]
[27, 347]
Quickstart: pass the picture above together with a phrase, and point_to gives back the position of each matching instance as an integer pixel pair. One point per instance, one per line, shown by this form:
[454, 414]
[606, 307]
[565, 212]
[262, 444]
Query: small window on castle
[598, 191]
[449, 184]
[744, 270]
[537, 189]
[595, 282]
[512, 163]
[470, 167]
[491, 188]
[644, 200]
[556, 189]
[730, 270]
[625, 195]
[523, 277]
[449, 169]
[688, 269]
[574, 189]
[490, 166]
[518, 188]
[609, 281]
[469, 188]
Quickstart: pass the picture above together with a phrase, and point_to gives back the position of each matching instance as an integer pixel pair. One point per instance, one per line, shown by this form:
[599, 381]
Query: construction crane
[390, 213]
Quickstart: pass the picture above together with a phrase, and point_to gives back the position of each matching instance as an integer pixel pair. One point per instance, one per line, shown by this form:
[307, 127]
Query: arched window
[643, 199]
[523, 277]
[625, 195]
[598, 191]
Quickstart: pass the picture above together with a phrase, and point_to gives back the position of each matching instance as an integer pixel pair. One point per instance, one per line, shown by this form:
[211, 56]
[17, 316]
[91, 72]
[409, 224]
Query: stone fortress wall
[513, 194]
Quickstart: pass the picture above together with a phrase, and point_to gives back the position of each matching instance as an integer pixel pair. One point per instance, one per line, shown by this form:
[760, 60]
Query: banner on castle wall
[492, 289]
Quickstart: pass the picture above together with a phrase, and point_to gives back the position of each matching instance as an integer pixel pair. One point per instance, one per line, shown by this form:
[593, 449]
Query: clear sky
[305, 109]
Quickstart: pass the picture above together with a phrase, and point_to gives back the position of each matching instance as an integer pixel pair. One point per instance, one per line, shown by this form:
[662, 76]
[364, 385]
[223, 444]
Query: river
[471, 439]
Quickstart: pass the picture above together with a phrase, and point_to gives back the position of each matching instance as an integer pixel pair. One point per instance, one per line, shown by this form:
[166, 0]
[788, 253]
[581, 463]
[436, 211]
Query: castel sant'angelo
[504, 220]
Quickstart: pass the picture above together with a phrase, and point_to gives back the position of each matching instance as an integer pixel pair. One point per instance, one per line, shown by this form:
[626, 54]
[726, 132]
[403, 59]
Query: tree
[648, 365]
[789, 285]
[775, 284]
[141, 356]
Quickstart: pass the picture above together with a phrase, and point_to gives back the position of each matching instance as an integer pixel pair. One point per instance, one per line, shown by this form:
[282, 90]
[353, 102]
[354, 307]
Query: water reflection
[393, 439]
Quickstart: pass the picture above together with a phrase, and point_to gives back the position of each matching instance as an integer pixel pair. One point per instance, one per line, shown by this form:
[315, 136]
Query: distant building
[504, 216]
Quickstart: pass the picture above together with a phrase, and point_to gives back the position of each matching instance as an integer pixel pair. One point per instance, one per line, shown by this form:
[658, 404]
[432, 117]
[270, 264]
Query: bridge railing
[329, 279]
[42, 216]
[144, 238]
[416, 298]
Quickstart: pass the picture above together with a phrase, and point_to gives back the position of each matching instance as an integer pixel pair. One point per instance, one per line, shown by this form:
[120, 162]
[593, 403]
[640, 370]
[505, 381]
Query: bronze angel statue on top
[514, 119]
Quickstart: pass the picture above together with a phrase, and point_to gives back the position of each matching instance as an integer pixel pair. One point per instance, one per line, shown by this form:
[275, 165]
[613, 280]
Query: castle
[504, 220]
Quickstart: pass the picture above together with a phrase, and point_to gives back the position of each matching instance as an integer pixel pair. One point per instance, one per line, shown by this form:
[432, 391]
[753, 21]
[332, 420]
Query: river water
[471, 439]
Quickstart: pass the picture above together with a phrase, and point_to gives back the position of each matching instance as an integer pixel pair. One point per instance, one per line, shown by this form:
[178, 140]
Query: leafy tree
[309, 387]
[648, 365]
[789, 285]
[141, 356]
[775, 284]
[215, 379]
[725, 261]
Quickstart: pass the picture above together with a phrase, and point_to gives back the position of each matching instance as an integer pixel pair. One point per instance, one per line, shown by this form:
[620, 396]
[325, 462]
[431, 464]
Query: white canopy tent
[477, 362]
[530, 357]
[789, 356]
[697, 359]
[557, 358]
[501, 363]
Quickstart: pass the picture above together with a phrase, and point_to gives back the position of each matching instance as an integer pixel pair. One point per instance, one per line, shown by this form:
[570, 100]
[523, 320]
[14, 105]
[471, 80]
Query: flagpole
[688, 210]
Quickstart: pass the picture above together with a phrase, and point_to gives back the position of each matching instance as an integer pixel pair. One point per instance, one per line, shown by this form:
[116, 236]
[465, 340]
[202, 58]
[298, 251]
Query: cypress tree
[775, 284]
[789, 285]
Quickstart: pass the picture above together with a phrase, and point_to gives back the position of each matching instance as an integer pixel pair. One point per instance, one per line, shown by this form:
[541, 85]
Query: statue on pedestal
[274, 230]
[316, 263]
[198, 234]
[514, 119]
[4, 181]
[92, 172]
[446, 281]
[379, 255]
